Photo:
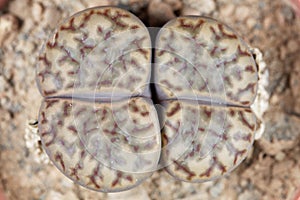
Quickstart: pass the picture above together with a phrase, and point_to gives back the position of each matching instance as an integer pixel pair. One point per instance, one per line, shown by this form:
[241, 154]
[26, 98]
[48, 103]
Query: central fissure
[110, 84]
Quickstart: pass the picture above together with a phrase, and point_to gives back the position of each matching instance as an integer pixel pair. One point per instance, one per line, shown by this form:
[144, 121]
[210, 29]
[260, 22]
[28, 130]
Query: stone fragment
[159, 13]
[52, 16]
[175, 4]
[294, 80]
[251, 22]
[198, 7]
[20, 9]
[135, 193]
[280, 156]
[37, 11]
[94, 3]
[8, 28]
[293, 46]
[53, 195]
[227, 10]
[2, 84]
[136, 5]
[242, 12]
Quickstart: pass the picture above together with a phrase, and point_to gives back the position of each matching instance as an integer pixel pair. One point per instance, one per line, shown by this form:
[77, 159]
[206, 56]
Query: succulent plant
[120, 104]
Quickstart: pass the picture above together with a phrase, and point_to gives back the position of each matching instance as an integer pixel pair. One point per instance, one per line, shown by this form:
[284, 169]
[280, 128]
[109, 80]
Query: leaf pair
[111, 117]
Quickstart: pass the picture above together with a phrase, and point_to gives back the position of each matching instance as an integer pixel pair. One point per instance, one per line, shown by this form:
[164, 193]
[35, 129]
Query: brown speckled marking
[72, 132]
[173, 110]
[81, 39]
[243, 53]
[59, 158]
[49, 92]
[215, 163]
[53, 44]
[228, 74]
[51, 102]
[73, 129]
[192, 27]
[67, 57]
[185, 169]
[237, 154]
[69, 26]
[86, 18]
[251, 69]
[44, 59]
[74, 172]
[94, 176]
[119, 176]
[245, 121]
[223, 137]
[52, 133]
[226, 35]
[170, 86]
[232, 112]
[67, 109]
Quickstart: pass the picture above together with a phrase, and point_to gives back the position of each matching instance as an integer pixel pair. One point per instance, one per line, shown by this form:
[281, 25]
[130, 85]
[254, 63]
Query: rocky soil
[271, 171]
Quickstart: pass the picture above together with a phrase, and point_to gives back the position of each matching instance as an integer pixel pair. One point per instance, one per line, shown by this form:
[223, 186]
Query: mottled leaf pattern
[98, 123]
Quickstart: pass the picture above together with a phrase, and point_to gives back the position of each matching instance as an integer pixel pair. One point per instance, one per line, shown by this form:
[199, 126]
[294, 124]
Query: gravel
[272, 26]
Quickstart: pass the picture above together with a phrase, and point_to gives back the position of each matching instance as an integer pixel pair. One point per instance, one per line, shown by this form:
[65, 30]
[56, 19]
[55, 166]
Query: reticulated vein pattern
[98, 123]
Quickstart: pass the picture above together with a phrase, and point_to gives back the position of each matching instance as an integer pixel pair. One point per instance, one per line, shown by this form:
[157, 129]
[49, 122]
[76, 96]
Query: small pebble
[283, 52]
[76, 6]
[276, 183]
[244, 183]
[189, 11]
[227, 10]
[70, 195]
[159, 13]
[135, 5]
[135, 193]
[52, 16]
[293, 46]
[294, 80]
[201, 6]
[21, 9]
[216, 190]
[280, 18]
[248, 195]
[94, 3]
[288, 13]
[280, 156]
[8, 28]
[2, 84]
[37, 11]
[25, 46]
[274, 99]
[53, 195]
[242, 12]
[251, 22]
[268, 22]
[175, 4]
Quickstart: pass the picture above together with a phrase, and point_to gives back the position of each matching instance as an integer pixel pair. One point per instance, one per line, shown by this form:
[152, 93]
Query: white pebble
[202, 6]
[37, 11]
[52, 16]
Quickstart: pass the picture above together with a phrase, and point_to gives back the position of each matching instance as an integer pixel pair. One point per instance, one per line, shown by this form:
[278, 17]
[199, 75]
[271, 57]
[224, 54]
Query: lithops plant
[213, 77]
[98, 123]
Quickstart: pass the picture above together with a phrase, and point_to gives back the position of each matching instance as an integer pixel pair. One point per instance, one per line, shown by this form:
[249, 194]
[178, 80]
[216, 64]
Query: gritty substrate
[272, 171]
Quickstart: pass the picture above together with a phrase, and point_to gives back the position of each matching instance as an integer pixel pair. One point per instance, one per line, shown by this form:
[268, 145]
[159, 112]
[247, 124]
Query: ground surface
[272, 171]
